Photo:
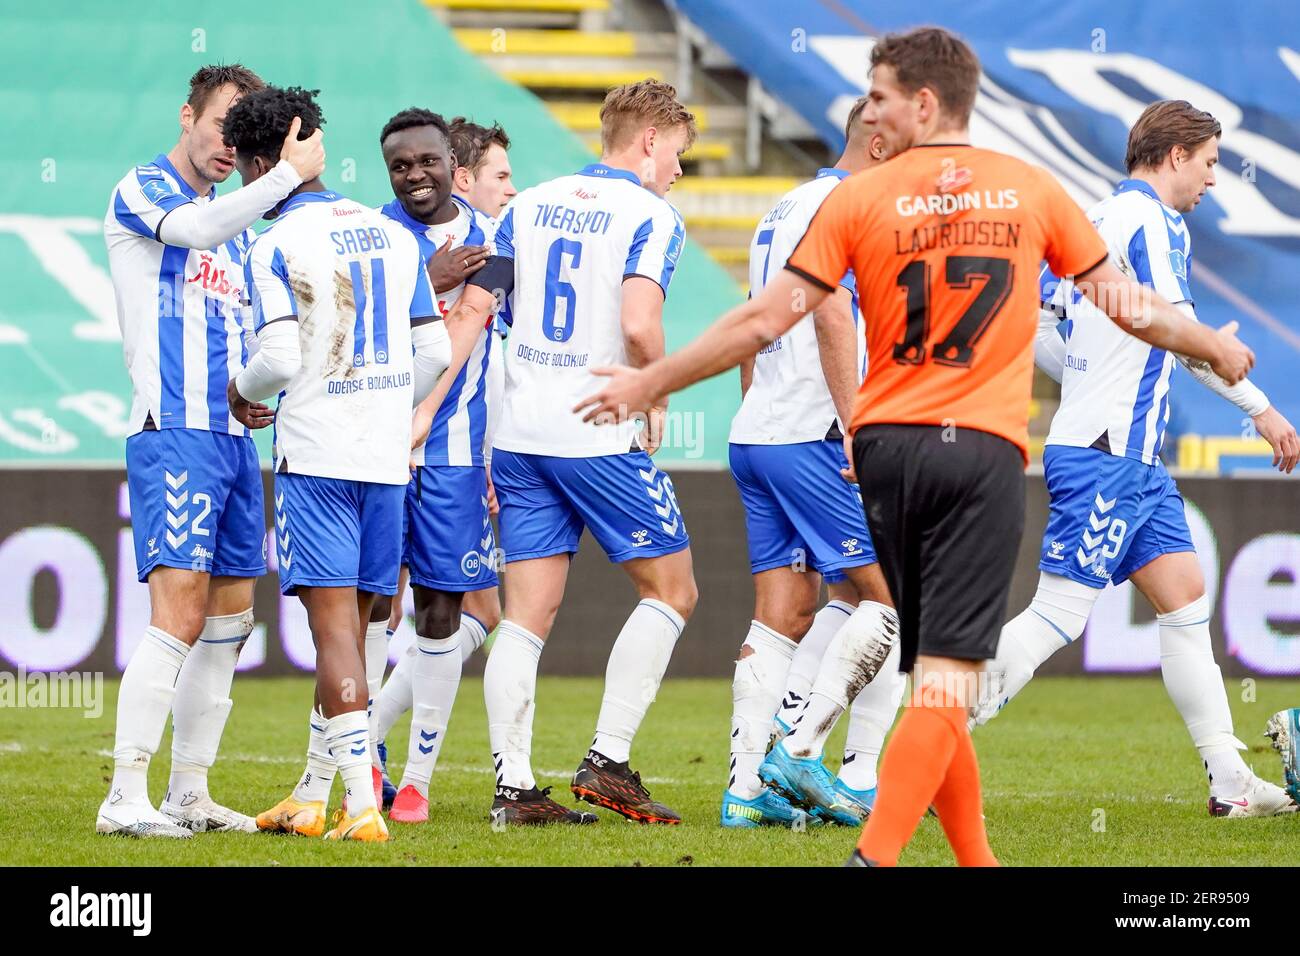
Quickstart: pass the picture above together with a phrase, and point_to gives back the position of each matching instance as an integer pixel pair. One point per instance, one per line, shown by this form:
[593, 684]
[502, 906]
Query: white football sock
[395, 697]
[1195, 685]
[510, 693]
[472, 635]
[203, 703]
[1054, 619]
[434, 682]
[144, 699]
[840, 677]
[807, 659]
[346, 736]
[318, 779]
[755, 693]
[870, 717]
[632, 677]
[376, 664]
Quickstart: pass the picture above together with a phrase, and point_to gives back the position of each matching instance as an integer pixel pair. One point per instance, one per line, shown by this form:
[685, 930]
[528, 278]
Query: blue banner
[1061, 87]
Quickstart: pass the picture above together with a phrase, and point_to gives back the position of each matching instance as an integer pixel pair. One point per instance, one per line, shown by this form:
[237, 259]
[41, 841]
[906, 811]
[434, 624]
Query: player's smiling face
[892, 111]
[1196, 175]
[419, 162]
[207, 152]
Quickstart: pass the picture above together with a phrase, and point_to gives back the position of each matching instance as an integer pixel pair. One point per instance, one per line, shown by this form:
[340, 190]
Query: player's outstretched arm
[1049, 347]
[202, 227]
[837, 348]
[1140, 312]
[463, 324]
[641, 318]
[739, 334]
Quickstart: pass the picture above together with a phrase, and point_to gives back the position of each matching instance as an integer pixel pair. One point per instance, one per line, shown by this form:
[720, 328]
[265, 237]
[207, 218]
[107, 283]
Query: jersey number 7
[958, 347]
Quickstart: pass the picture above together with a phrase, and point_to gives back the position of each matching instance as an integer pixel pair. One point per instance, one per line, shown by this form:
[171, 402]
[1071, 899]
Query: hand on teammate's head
[307, 156]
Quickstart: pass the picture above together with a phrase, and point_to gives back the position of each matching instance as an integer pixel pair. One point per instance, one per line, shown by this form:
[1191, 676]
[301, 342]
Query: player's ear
[187, 117]
[460, 178]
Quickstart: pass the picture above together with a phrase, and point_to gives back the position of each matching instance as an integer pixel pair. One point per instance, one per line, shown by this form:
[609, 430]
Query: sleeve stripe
[639, 240]
[281, 270]
[129, 219]
[819, 283]
[672, 252]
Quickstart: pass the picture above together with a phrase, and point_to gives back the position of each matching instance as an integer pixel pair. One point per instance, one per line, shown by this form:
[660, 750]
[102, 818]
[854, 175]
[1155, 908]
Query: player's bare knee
[382, 609]
[437, 613]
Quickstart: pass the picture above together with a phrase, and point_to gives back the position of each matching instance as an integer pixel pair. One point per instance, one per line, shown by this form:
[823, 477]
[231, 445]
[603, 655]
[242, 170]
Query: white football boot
[199, 813]
[136, 818]
[1260, 799]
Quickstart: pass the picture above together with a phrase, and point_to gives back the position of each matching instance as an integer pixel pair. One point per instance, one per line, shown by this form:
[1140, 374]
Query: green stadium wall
[90, 89]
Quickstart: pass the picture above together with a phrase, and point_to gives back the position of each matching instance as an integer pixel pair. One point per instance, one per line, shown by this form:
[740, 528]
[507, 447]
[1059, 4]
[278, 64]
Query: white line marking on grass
[10, 747]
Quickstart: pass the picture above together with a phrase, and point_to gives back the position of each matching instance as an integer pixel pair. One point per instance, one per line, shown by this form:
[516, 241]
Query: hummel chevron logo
[1085, 558]
[287, 560]
[425, 735]
[656, 492]
[175, 481]
[648, 476]
[664, 510]
[176, 521]
[485, 542]
[279, 501]
[176, 502]
[177, 540]
[1098, 524]
[1091, 542]
[1102, 505]
[284, 542]
[670, 528]
[357, 751]
[425, 750]
[281, 519]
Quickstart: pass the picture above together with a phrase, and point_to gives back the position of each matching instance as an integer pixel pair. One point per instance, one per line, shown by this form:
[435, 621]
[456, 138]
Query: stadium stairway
[569, 52]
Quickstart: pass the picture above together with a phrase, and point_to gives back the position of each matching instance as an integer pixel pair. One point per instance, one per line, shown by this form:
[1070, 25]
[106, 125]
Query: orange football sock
[961, 807]
[911, 772]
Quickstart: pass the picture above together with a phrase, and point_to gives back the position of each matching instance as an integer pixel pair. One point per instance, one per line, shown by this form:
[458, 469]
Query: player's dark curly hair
[412, 117]
[471, 141]
[259, 122]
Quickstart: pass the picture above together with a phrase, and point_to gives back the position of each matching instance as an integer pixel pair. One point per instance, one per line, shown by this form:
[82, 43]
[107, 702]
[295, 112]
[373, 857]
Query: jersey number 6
[958, 347]
[556, 288]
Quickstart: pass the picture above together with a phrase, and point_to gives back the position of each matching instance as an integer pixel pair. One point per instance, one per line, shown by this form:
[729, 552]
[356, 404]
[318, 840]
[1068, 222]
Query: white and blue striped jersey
[788, 400]
[180, 310]
[354, 281]
[573, 241]
[457, 433]
[1115, 388]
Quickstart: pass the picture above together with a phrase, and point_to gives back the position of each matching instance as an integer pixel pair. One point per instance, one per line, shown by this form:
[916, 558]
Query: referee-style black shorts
[946, 518]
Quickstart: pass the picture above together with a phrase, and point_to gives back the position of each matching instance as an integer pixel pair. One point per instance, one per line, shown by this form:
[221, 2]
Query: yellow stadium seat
[528, 6]
[585, 117]
[548, 42]
[570, 80]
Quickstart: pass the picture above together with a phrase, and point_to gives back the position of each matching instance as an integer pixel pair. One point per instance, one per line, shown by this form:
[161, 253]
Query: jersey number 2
[958, 347]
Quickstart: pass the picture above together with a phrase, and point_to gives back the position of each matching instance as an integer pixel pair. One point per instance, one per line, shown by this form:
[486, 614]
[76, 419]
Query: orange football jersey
[945, 242]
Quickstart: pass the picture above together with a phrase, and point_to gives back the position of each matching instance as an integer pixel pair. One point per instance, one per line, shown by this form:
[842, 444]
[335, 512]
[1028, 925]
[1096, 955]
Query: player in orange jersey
[945, 241]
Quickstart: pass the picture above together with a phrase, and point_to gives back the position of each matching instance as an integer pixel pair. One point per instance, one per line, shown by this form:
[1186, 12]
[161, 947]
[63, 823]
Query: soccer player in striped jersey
[176, 252]
[480, 178]
[450, 543]
[805, 524]
[1116, 514]
[940, 430]
[349, 337]
[589, 258]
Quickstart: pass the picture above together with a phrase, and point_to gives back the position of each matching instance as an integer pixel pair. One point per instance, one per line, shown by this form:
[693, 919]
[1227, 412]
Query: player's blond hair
[633, 107]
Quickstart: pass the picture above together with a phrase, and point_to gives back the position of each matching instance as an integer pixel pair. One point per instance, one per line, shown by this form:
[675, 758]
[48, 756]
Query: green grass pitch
[1079, 771]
